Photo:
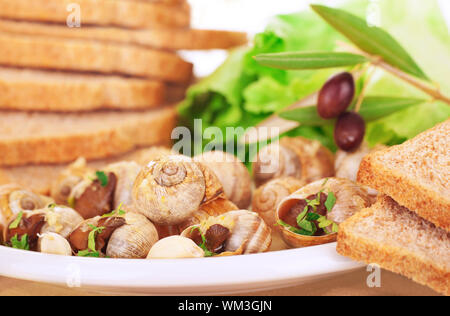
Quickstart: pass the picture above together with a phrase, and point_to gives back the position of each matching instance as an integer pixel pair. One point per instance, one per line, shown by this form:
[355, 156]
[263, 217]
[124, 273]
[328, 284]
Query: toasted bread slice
[398, 240]
[33, 138]
[415, 174]
[163, 38]
[90, 56]
[131, 14]
[39, 178]
[35, 90]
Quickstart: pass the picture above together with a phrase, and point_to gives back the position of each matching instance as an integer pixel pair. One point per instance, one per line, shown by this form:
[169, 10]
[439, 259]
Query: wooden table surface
[350, 284]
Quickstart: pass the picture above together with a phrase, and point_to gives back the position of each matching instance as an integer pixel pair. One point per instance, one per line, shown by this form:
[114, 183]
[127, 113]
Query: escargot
[60, 219]
[130, 235]
[25, 227]
[311, 215]
[232, 233]
[296, 157]
[175, 247]
[170, 190]
[14, 199]
[232, 174]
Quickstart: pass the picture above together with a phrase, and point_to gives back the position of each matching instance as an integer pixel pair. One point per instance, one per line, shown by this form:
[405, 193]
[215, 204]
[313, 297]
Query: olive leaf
[372, 108]
[371, 39]
[309, 60]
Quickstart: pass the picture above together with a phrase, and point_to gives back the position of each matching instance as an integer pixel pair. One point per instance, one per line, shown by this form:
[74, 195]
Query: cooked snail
[175, 247]
[170, 190]
[232, 174]
[297, 157]
[55, 244]
[25, 227]
[14, 199]
[126, 236]
[144, 156]
[232, 233]
[68, 179]
[311, 215]
[61, 220]
[268, 196]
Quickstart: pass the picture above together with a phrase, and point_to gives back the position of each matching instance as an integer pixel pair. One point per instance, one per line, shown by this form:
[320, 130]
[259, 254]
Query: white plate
[204, 276]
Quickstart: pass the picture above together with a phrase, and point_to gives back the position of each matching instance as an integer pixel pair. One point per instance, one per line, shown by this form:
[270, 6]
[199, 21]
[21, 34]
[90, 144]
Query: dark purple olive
[349, 131]
[336, 95]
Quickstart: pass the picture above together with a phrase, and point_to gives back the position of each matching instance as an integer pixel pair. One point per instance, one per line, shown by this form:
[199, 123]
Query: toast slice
[35, 90]
[398, 240]
[125, 13]
[39, 178]
[415, 174]
[162, 38]
[34, 138]
[90, 56]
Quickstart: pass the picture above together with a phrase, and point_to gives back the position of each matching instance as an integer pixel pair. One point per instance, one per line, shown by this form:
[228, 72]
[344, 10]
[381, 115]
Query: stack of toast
[98, 90]
[408, 230]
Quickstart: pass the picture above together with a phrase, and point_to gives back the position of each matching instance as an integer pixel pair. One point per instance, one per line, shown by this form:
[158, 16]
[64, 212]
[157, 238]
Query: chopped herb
[88, 253]
[325, 223]
[51, 206]
[102, 177]
[294, 229]
[203, 244]
[302, 215]
[312, 216]
[330, 202]
[92, 236]
[335, 228]
[117, 212]
[20, 244]
[16, 222]
[71, 201]
[307, 226]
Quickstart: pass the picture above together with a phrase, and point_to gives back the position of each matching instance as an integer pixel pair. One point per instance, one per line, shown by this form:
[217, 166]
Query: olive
[349, 131]
[336, 95]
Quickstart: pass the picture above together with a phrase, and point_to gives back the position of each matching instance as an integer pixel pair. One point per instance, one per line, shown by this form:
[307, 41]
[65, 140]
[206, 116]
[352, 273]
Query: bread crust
[131, 14]
[89, 56]
[392, 258]
[30, 90]
[148, 128]
[161, 38]
[406, 190]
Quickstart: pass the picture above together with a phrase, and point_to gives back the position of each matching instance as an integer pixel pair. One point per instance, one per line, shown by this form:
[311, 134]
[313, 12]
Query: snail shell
[350, 199]
[61, 220]
[232, 174]
[249, 232]
[144, 156]
[30, 224]
[347, 163]
[134, 239]
[175, 247]
[268, 196]
[296, 157]
[14, 199]
[75, 173]
[126, 173]
[54, 244]
[168, 191]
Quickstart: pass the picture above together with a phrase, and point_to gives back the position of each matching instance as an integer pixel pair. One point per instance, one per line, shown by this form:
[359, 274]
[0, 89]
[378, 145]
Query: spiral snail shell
[232, 174]
[350, 199]
[247, 232]
[175, 247]
[296, 157]
[169, 190]
[55, 244]
[61, 220]
[268, 196]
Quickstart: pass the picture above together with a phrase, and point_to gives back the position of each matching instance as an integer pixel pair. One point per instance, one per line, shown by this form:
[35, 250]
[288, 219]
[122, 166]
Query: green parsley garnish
[117, 212]
[51, 206]
[102, 177]
[16, 222]
[20, 244]
[88, 253]
[203, 244]
[330, 202]
[92, 236]
[71, 201]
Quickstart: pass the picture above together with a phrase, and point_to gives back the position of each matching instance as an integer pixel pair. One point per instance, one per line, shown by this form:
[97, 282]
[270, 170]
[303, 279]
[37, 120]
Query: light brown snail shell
[350, 199]
[55, 244]
[347, 163]
[268, 196]
[126, 173]
[175, 247]
[249, 232]
[14, 199]
[134, 239]
[61, 220]
[296, 157]
[168, 191]
[144, 156]
[232, 174]
[68, 179]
